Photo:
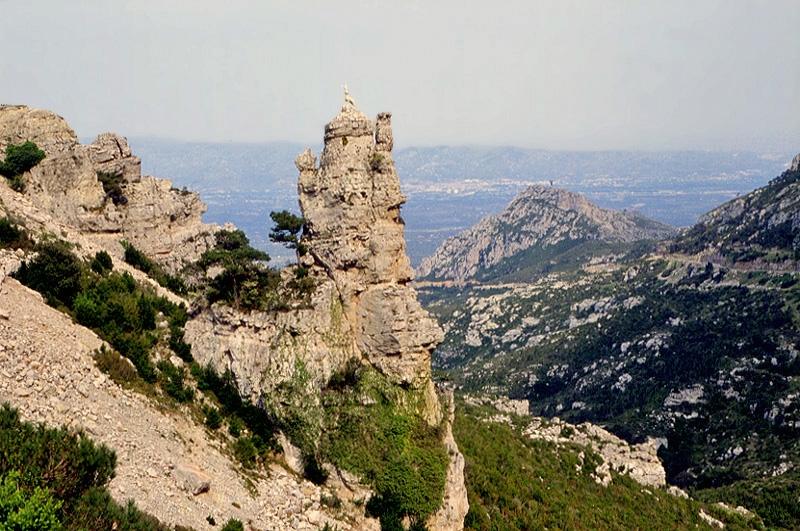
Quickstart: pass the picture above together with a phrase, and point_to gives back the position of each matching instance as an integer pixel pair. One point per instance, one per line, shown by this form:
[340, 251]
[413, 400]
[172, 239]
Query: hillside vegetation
[517, 483]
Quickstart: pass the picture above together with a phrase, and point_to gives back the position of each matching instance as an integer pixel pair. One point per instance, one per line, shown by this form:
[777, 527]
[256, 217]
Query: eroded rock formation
[351, 204]
[363, 306]
[163, 222]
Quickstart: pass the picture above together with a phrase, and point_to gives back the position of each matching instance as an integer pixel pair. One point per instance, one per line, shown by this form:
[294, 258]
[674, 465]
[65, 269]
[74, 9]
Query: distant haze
[558, 74]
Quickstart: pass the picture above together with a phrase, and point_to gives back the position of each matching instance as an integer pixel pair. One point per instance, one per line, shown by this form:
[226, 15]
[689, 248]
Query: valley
[699, 354]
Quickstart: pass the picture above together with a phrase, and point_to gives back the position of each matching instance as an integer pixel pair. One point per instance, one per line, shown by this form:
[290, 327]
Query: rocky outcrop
[455, 504]
[363, 306]
[539, 218]
[639, 461]
[163, 222]
[795, 165]
[263, 349]
[351, 204]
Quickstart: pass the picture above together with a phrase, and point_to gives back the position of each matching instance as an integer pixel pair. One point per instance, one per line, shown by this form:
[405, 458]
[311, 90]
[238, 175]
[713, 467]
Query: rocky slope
[164, 457]
[761, 228]
[541, 224]
[163, 222]
[363, 310]
[638, 461]
[699, 356]
[533, 473]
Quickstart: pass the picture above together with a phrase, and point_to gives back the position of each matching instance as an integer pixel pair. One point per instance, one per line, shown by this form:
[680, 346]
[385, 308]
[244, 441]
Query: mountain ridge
[540, 217]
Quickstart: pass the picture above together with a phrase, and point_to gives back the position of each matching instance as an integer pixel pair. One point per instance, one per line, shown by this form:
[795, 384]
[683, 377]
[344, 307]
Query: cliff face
[163, 222]
[351, 204]
[539, 218]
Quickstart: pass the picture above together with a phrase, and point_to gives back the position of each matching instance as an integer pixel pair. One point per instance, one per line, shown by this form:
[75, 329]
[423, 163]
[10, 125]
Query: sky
[560, 74]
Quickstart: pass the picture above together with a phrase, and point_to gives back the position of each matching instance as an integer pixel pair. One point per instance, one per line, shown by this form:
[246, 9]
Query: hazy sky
[560, 74]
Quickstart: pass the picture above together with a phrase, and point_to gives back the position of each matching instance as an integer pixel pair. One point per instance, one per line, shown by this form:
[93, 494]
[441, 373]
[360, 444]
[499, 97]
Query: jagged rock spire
[351, 204]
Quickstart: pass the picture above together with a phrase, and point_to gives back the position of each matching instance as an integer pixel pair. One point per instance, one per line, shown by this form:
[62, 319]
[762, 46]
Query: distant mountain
[762, 226]
[541, 226]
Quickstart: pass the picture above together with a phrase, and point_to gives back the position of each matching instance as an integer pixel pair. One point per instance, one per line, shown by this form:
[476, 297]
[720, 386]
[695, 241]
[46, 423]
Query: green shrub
[23, 511]
[102, 263]
[140, 261]
[118, 368]
[245, 451]
[213, 418]
[12, 236]
[235, 426]
[19, 159]
[173, 381]
[17, 183]
[223, 388]
[180, 347]
[55, 272]
[233, 525]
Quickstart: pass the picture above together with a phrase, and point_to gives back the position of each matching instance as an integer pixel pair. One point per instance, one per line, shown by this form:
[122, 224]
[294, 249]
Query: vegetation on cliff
[759, 226]
[518, 483]
[20, 158]
[373, 428]
[13, 236]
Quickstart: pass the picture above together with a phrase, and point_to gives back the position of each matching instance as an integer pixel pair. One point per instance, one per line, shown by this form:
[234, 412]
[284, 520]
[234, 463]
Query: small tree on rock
[287, 230]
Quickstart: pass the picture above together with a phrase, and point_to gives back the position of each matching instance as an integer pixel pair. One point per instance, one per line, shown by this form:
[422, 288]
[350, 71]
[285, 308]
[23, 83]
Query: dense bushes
[773, 499]
[140, 261]
[19, 159]
[388, 444]
[261, 428]
[55, 479]
[23, 511]
[55, 272]
[115, 306]
[517, 483]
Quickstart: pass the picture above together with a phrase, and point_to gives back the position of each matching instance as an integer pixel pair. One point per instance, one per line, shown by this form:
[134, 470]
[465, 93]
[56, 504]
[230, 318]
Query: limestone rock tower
[351, 204]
